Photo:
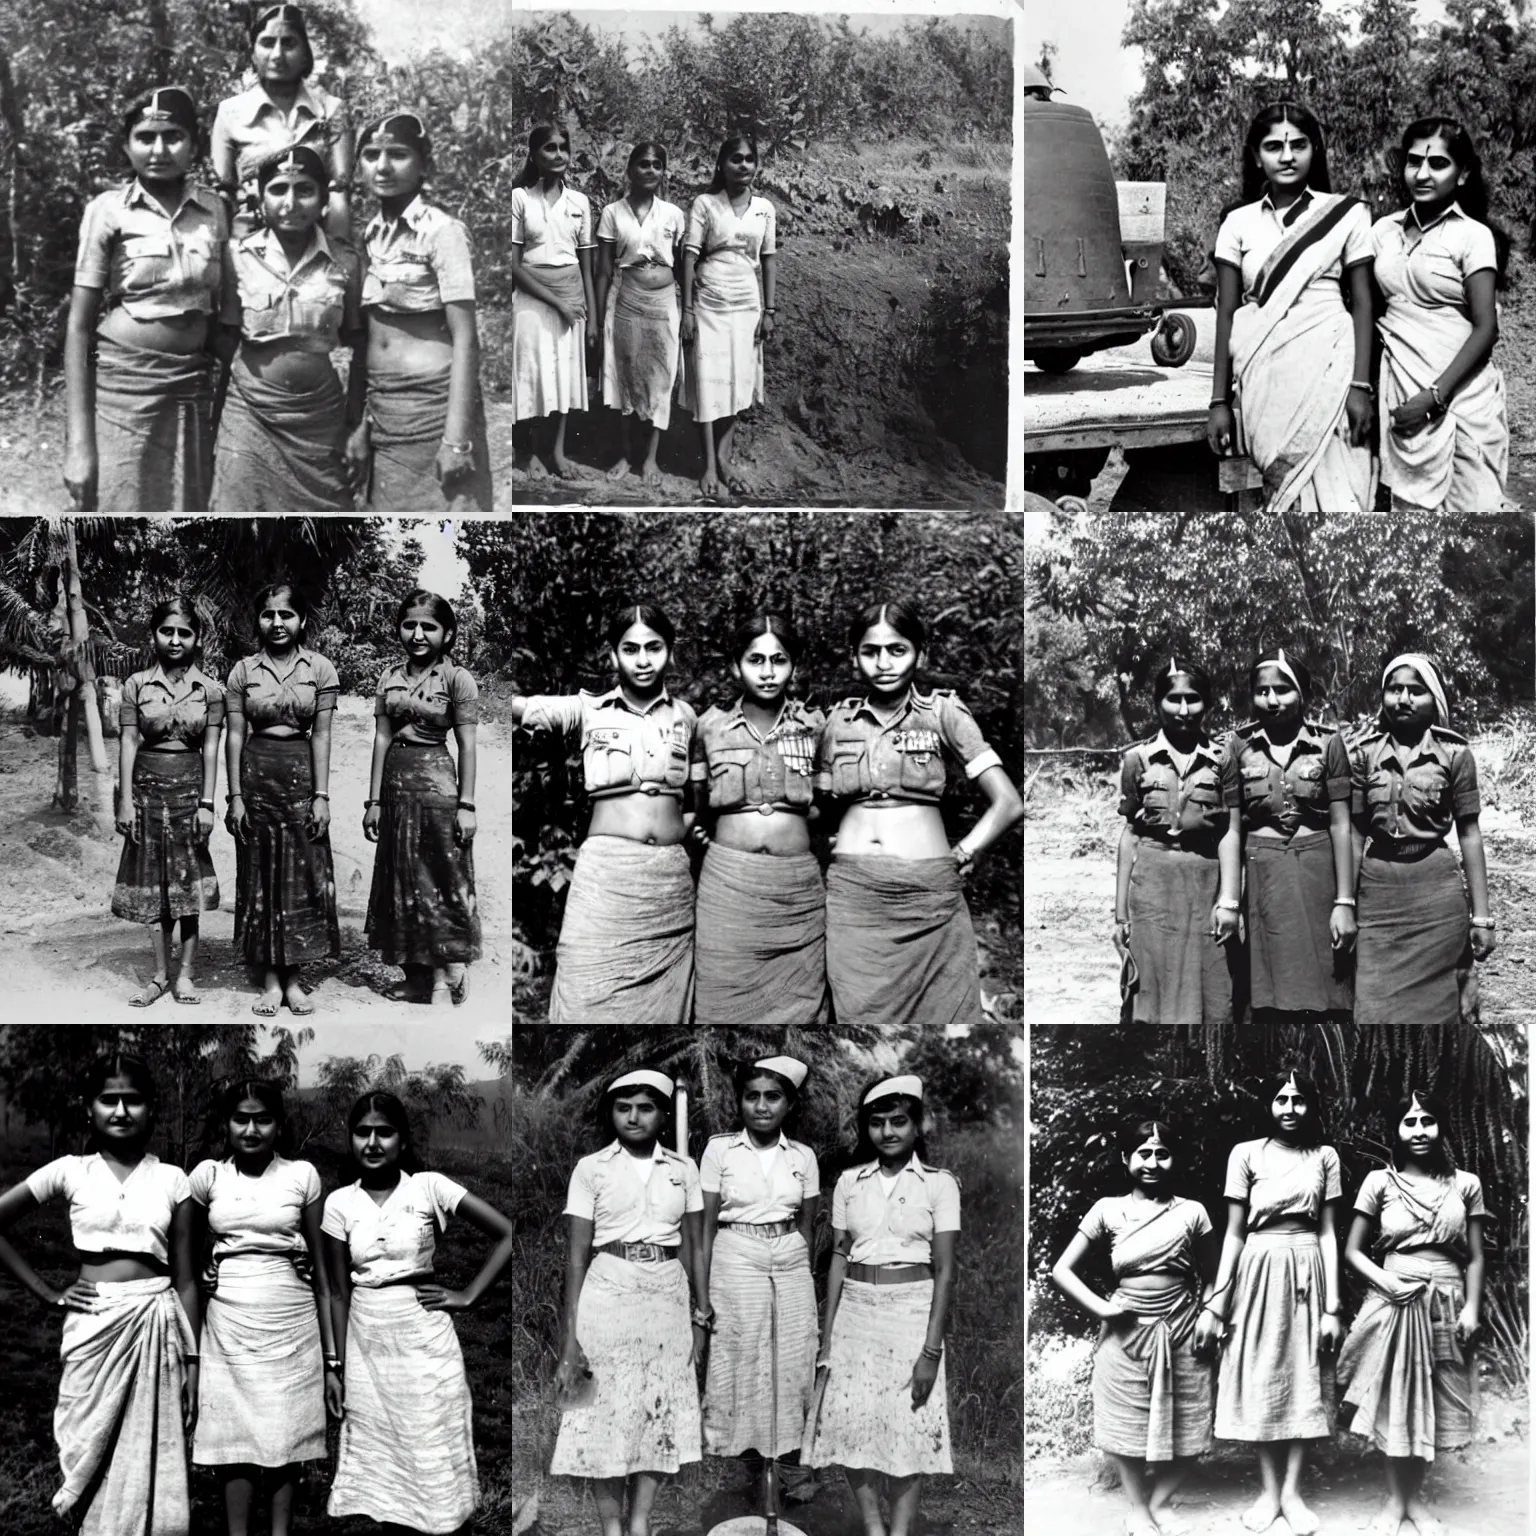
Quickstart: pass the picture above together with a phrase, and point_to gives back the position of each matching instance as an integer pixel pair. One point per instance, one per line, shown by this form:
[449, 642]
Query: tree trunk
[66, 793]
[79, 630]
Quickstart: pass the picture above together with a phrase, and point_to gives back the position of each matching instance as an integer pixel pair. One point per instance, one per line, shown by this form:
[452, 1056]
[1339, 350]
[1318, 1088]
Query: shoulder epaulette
[722, 1135]
[852, 702]
[1445, 733]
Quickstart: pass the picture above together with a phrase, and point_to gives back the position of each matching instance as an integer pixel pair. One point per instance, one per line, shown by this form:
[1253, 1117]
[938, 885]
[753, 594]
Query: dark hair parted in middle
[727, 149]
[1175, 665]
[134, 1069]
[439, 607]
[901, 615]
[266, 1093]
[389, 1108]
[182, 607]
[760, 624]
[290, 16]
[1310, 1132]
[640, 613]
[1441, 1159]
[296, 600]
[538, 136]
[1134, 1132]
[1255, 183]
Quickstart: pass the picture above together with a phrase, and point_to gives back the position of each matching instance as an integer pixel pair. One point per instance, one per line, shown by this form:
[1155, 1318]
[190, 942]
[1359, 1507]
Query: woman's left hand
[764, 327]
[924, 1374]
[964, 858]
[464, 828]
[1414, 414]
[453, 466]
[189, 1398]
[1223, 924]
[1484, 942]
[1330, 1333]
[1360, 411]
[204, 823]
[700, 1345]
[319, 822]
[1468, 1323]
[1342, 927]
[591, 330]
[436, 1299]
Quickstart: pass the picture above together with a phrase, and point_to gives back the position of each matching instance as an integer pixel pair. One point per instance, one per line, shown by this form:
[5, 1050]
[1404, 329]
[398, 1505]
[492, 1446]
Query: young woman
[1151, 1391]
[900, 949]
[728, 307]
[1412, 1381]
[1288, 778]
[423, 434]
[148, 279]
[1178, 873]
[761, 1190]
[278, 752]
[1276, 1298]
[883, 1408]
[407, 1455]
[626, 944]
[760, 935]
[625, 1378]
[554, 313]
[294, 297]
[1412, 779]
[262, 1403]
[1289, 353]
[170, 720]
[279, 110]
[1445, 434]
[128, 1391]
[639, 240]
[421, 809]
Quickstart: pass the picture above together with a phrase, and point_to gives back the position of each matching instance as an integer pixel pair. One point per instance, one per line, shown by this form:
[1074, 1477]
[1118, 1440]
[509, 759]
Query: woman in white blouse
[128, 1392]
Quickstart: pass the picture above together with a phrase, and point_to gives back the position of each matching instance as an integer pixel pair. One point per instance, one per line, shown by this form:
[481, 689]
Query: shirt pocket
[850, 774]
[148, 263]
[1156, 796]
[1307, 782]
[910, 1219]
[1379, 788]
[319, 304]
[729, 773]
[607, 758]
[261, 313]
[922, 766]
[1426, 788]
[1255, 784]
[1203, 798]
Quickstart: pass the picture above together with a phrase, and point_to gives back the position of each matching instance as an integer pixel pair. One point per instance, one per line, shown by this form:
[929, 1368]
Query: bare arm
[605, 267]
[1004, 810]
[1125, 859]
[234, 745]
[465, 369]
[211, 738]
[1475, 1266]
[1220, 1301]
[309, 1225]
[127, 752]
[1067, 1280]
[1469, 834]
[710, 1230]
[186, 1222]
[484, 1216]
[14, 1204]
[842, 1245]
[320, 766]
[805, 1222]
[577, 1258]
[1478, 347]
[1328, 1239]
[1220, 427]
[338, 213]
[383, 735]
[81, 465]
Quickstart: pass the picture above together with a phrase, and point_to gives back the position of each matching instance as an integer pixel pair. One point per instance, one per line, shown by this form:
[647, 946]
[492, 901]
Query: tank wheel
[1174, 342]
[1056, 359]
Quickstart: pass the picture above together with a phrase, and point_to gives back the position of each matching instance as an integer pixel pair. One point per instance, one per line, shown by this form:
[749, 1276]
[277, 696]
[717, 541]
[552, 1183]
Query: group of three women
[762, 941]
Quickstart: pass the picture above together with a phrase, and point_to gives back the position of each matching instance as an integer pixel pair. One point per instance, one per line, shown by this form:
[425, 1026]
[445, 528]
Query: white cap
[786, 1067]
[644, 1077]
[908, 1084]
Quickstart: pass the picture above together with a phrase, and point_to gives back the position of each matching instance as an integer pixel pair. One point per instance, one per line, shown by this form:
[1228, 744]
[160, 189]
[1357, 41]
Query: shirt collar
[270, 247]
[615, 695]
[1306, 736]
[413, 214]
[615, 1148]
[261, 659]
[916, 699]
[258, 102]
[1411, 217]
[1161, 744]
[913, 1165]
[789, 709]
[742, 1139]
[1296, 209]
[438, 667]
[188, 678]
[135, 195]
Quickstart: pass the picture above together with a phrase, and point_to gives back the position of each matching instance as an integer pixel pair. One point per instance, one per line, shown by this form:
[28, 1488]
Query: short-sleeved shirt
[1163, 801]
[606, 1190]
[396, 1241]
[424, 709]
[752, 1193]
[1412, 794]
[1249, 234]
[654, 239]
[153, 264]
[1413, 1212]
[622, 749]
[1278, 1181]
[895, 1226]
[267, 696]
[730, 248]
[861, 758]
[255, 1214]
[171, 710]
[311, 302]
[745, 770]
[1428, 267]
[1291, 793]
[254, 126]
[551, 230]
[1146, 1238]
[420, 261]
[108, 1215]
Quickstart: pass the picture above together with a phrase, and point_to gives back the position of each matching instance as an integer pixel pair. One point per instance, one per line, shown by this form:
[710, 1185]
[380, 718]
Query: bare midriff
[177, 335]
[296, 363]
[1273, 833]
[642, 818]
[121, 1266]
[748, 830]
[1288, 1224]
[279, 732]
[893, 830]
[408, 341]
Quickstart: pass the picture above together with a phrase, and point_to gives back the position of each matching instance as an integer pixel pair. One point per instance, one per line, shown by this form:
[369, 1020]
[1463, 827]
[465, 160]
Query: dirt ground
[65, 959]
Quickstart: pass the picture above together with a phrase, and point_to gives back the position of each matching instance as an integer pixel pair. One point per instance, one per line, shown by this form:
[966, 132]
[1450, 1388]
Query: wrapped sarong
[1290, 901]
[632, 1322]
[118, 1425]
[640, 343]
[626, 944]
[154, 438]
[724, 375]
[1274, 1382]
[760, 941]
[285, 885]
[866, 1418]
[280, 451]
[407, 1449]
[421, 909]
[1411, 1385]
[549, 357]
[1293, 356]
[261, 1390]
[901, 952]
[757, 1285]
[1186, 976]
[410, 415]
[1414, 935]
[168, 872]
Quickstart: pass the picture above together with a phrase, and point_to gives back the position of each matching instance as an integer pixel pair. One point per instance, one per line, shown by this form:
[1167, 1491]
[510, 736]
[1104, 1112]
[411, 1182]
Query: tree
[438, 1094]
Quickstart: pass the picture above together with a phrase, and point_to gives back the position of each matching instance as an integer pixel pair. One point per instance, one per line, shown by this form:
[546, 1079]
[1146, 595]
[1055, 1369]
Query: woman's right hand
[359, 455]
[1114, 1314]
[572, 1369]
[79, 1297]
[1220, 427]
[1209, 1330]
[127, 824]
[335, 1393]
[689, 328]
[1122, 937]
[81, 469]
[1398, 1290]
[569, 314]
[371, 819]
[1223, 924]
[236, 822]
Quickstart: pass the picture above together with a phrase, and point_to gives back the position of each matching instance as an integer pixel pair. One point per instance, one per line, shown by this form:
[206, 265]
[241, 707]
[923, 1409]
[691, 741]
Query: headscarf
[643, 1077]
[164, 104]
[398, 123]
[1282, 664]
[787, 1067]
[294, 158]
[909, 1084]
[1428, 674]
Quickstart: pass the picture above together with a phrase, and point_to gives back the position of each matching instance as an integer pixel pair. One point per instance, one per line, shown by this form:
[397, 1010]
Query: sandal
[152, 991]
[301, 1009]
[406, 992]
[190, 999]
[263, 1009]
[440, 994]
[459, 990]
[737, 486]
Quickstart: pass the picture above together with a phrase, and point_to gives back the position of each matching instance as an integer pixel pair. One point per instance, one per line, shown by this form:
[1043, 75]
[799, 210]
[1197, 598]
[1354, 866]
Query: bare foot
[536, 469]
[1262, 1513]
[649, 473]
[1300, 1519]
[1386, 1521]
[1169, 1523]
[710, 484]
[619, 470]
[296, 998]
[1427, 1521]
[266, 1006]
[564, 468]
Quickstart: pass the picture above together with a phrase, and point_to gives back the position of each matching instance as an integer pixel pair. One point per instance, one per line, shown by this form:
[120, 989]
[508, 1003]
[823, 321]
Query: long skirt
[285, 885]
[724, 375]
[1414, 934]
[1186, 976]
[1151, 1394]
[261, 1390]
[866, 1418]
[901, 952]
[632, 1323]
[1274, 1382]
[760, 941]
[765, 1309]
[168, 872]
[118, 1424]
[1290, 901]
[280, 450]
[549, 357]
[154, 433]
[640, 344]
[1411, 1385]
[625, 954]
[410, 418]
[421, 909]
[407, 1448]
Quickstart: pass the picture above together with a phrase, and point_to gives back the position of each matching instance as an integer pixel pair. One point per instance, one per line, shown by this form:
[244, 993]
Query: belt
[1399, 851]
[883, 797]
[890, 1274]
[636, 789]
[767, 808]
[259, 735]
[640, 1253]
[762, 1228]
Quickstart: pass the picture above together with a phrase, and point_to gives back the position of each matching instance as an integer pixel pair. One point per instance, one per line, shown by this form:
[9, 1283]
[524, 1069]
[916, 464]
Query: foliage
[436, 1095]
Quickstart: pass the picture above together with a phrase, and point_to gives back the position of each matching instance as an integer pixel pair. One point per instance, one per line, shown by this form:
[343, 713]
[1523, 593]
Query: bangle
[1220, 401]
[1483, 922]
[466, 805]
[191, 1359]
[236, 796]
[771, 309]
[1330, 1311]
[932, 1354]
[205, 805]
[1343, 901]
[1361, 384]
[1434, 390]
[1229, 906]
[465, 447]
[368, 805]
[320, 794]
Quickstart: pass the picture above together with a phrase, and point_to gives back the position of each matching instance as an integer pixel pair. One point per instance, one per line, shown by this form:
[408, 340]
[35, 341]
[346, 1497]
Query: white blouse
[550, 230]
[255, 1215]
[655, 238]
[397, 1240]
[111, 1216]
[754, 1190]
[634, 1200]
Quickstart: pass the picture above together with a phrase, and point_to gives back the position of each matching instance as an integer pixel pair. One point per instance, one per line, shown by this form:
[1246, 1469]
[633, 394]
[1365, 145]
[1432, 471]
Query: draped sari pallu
[1293, 356]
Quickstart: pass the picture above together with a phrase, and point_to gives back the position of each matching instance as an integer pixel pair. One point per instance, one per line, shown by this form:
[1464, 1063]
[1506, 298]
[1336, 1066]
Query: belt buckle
[652, 789]
[765, 809]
